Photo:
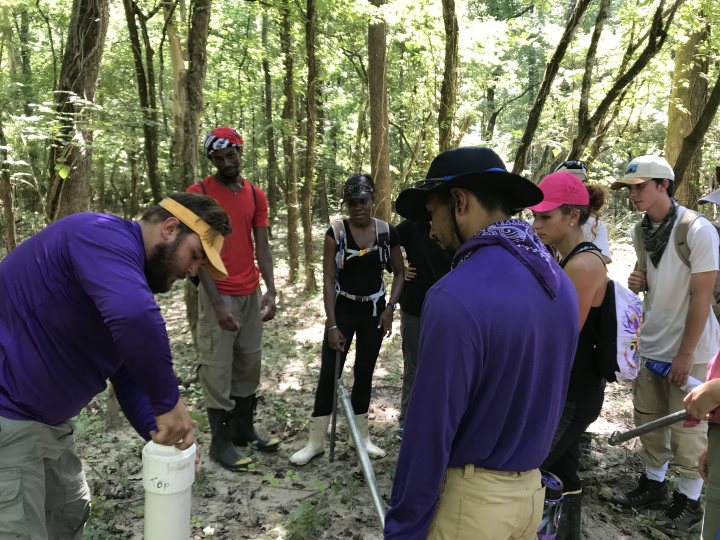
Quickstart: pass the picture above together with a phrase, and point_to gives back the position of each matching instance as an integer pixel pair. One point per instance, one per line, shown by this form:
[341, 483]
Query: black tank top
[587, 385]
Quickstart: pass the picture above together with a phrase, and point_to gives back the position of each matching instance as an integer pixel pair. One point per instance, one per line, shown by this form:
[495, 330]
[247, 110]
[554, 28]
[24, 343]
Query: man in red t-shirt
[231, 312]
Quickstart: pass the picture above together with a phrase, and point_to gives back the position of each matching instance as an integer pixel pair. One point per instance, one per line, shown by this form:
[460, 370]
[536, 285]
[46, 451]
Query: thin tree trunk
[360, 134]
[272, 161]
[134, 183]
[70, 155]
[694, 139]
[687, 100]
[179, 75]
[144, 75]
[321, 192]
[311, 110]
[289, 129]
[584, 106]
[546, 84]
[197, 55]
[377, 94]
[448, 90]
[656, 38]
[7, 196]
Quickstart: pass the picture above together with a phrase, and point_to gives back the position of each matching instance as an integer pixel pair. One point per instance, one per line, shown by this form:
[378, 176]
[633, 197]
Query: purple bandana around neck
[517, 237]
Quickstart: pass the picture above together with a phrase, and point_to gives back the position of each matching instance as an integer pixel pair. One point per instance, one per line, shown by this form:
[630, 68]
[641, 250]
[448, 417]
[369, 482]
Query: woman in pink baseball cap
[567, 204]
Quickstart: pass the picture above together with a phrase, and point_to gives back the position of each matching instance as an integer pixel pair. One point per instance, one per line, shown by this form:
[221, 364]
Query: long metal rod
[333, 427]
[362, 452]
[618, 437]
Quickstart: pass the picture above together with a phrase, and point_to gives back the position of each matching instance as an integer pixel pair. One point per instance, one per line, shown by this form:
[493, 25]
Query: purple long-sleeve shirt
[76, 310]
[496, 347]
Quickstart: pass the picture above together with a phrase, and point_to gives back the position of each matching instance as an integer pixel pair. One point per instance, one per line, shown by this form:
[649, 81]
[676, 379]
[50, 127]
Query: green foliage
[307, 520]
[504, 46]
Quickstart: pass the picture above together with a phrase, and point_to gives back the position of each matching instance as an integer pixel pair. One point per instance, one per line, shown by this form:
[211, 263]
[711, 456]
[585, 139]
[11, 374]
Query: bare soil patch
[322, 500]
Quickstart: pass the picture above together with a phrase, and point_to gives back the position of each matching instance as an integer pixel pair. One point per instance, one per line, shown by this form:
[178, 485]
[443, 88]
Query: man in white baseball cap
[678, 328]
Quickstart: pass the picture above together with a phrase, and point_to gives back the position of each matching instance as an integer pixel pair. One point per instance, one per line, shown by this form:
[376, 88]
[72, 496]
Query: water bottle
[552, 507]
[168, 475]
[661, 369]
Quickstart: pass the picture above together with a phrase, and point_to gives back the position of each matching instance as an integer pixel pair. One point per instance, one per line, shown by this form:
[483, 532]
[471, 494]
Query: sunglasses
[573, 164]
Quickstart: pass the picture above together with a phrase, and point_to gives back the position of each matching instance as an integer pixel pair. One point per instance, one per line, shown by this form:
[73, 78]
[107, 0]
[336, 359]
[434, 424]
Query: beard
[159, 267]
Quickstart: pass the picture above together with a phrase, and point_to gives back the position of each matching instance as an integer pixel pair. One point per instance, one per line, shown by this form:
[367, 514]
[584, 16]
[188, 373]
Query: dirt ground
[322, 500]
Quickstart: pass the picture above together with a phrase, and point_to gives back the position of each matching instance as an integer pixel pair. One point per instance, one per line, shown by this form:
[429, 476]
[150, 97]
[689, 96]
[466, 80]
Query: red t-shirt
[246, 213]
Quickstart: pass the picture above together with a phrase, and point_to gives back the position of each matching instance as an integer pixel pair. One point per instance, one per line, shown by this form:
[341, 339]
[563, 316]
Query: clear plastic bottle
[661, 369]
[552, 507]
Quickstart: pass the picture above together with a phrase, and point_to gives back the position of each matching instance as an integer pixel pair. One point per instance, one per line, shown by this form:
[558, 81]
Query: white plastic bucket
[168, 475]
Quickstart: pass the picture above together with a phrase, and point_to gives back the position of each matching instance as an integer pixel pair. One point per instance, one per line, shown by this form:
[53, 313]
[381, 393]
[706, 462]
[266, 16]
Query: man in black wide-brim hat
[499, 333]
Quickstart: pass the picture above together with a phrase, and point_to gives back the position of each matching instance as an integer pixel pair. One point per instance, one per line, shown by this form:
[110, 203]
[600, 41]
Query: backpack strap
[681, 235]
[640, 253]
[201, 183]
[583, 247]
[382, 237]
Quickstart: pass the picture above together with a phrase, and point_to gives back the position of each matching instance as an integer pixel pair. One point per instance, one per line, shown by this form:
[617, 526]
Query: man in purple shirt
[77, 309]
[497, 341]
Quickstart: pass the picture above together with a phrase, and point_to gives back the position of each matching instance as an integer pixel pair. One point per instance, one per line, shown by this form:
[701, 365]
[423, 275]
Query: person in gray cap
[678, 328]
[492, 373]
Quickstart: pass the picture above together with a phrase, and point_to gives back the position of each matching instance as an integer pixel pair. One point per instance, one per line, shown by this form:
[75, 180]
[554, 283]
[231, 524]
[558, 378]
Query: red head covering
[222, 137]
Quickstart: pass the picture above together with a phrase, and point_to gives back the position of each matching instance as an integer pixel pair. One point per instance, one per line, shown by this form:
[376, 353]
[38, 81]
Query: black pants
[564, 457]
[354, 319]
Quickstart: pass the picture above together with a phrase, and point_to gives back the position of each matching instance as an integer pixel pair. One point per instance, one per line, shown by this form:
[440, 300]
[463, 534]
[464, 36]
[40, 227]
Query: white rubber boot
[372, 450]
[316, 441]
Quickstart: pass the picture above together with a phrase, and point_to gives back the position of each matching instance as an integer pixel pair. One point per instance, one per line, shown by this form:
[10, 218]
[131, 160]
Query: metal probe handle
[620, 437]
[362, 452]
[333, 427]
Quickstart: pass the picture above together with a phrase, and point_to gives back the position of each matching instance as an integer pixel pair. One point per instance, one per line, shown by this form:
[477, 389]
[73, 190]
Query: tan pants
[43, 492]
[711, 525]
[229, 361]
[478, 504]
[654, 398]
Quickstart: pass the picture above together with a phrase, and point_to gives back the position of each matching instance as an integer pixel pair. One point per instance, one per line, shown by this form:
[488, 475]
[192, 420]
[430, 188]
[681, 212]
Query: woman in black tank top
[566, 206]
[356, 252]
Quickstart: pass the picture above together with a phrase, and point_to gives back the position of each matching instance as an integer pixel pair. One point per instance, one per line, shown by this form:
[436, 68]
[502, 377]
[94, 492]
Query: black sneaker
[682, 516]
[648, 494]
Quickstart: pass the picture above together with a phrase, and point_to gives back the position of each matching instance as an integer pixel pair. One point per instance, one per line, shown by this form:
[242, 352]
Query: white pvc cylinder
[168, 475]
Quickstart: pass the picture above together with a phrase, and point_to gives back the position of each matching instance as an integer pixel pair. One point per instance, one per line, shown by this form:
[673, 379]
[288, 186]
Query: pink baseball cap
[560, 188]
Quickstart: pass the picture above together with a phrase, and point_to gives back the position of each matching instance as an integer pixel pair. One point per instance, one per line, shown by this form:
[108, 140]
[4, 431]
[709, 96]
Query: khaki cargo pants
[43, 492]
[478, 504]
[229, 361]
[711, 525]
[654, 398]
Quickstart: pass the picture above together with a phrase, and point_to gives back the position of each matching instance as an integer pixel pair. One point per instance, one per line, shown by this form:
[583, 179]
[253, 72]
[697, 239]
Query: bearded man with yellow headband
[77, 309]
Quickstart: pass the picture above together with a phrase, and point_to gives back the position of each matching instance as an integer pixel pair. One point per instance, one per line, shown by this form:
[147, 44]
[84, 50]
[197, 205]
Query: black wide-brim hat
[469, 167]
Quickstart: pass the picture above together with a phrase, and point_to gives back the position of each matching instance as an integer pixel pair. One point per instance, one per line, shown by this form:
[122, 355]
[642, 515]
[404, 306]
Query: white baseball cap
[644, 168]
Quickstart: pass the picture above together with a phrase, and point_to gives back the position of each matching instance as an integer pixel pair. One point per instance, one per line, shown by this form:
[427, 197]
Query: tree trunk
[272, 161]
[584, 106]
[289, 129]
[377, 94]
[655, 40]
[448, 90]
[546, 84]
[694, 139]
[70, 155]
[321, 192]
[179, 75]
[145, 76]
[311, 110]
[7, 196]
[687, 100]
[134, 183]
[360, 134]
[197, 55]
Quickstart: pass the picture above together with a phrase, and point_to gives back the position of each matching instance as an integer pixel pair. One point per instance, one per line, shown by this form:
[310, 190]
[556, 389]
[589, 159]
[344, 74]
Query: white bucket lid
[166, 469]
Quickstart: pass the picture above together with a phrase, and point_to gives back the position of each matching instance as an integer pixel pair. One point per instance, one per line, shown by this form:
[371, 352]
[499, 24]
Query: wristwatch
[392, 305]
